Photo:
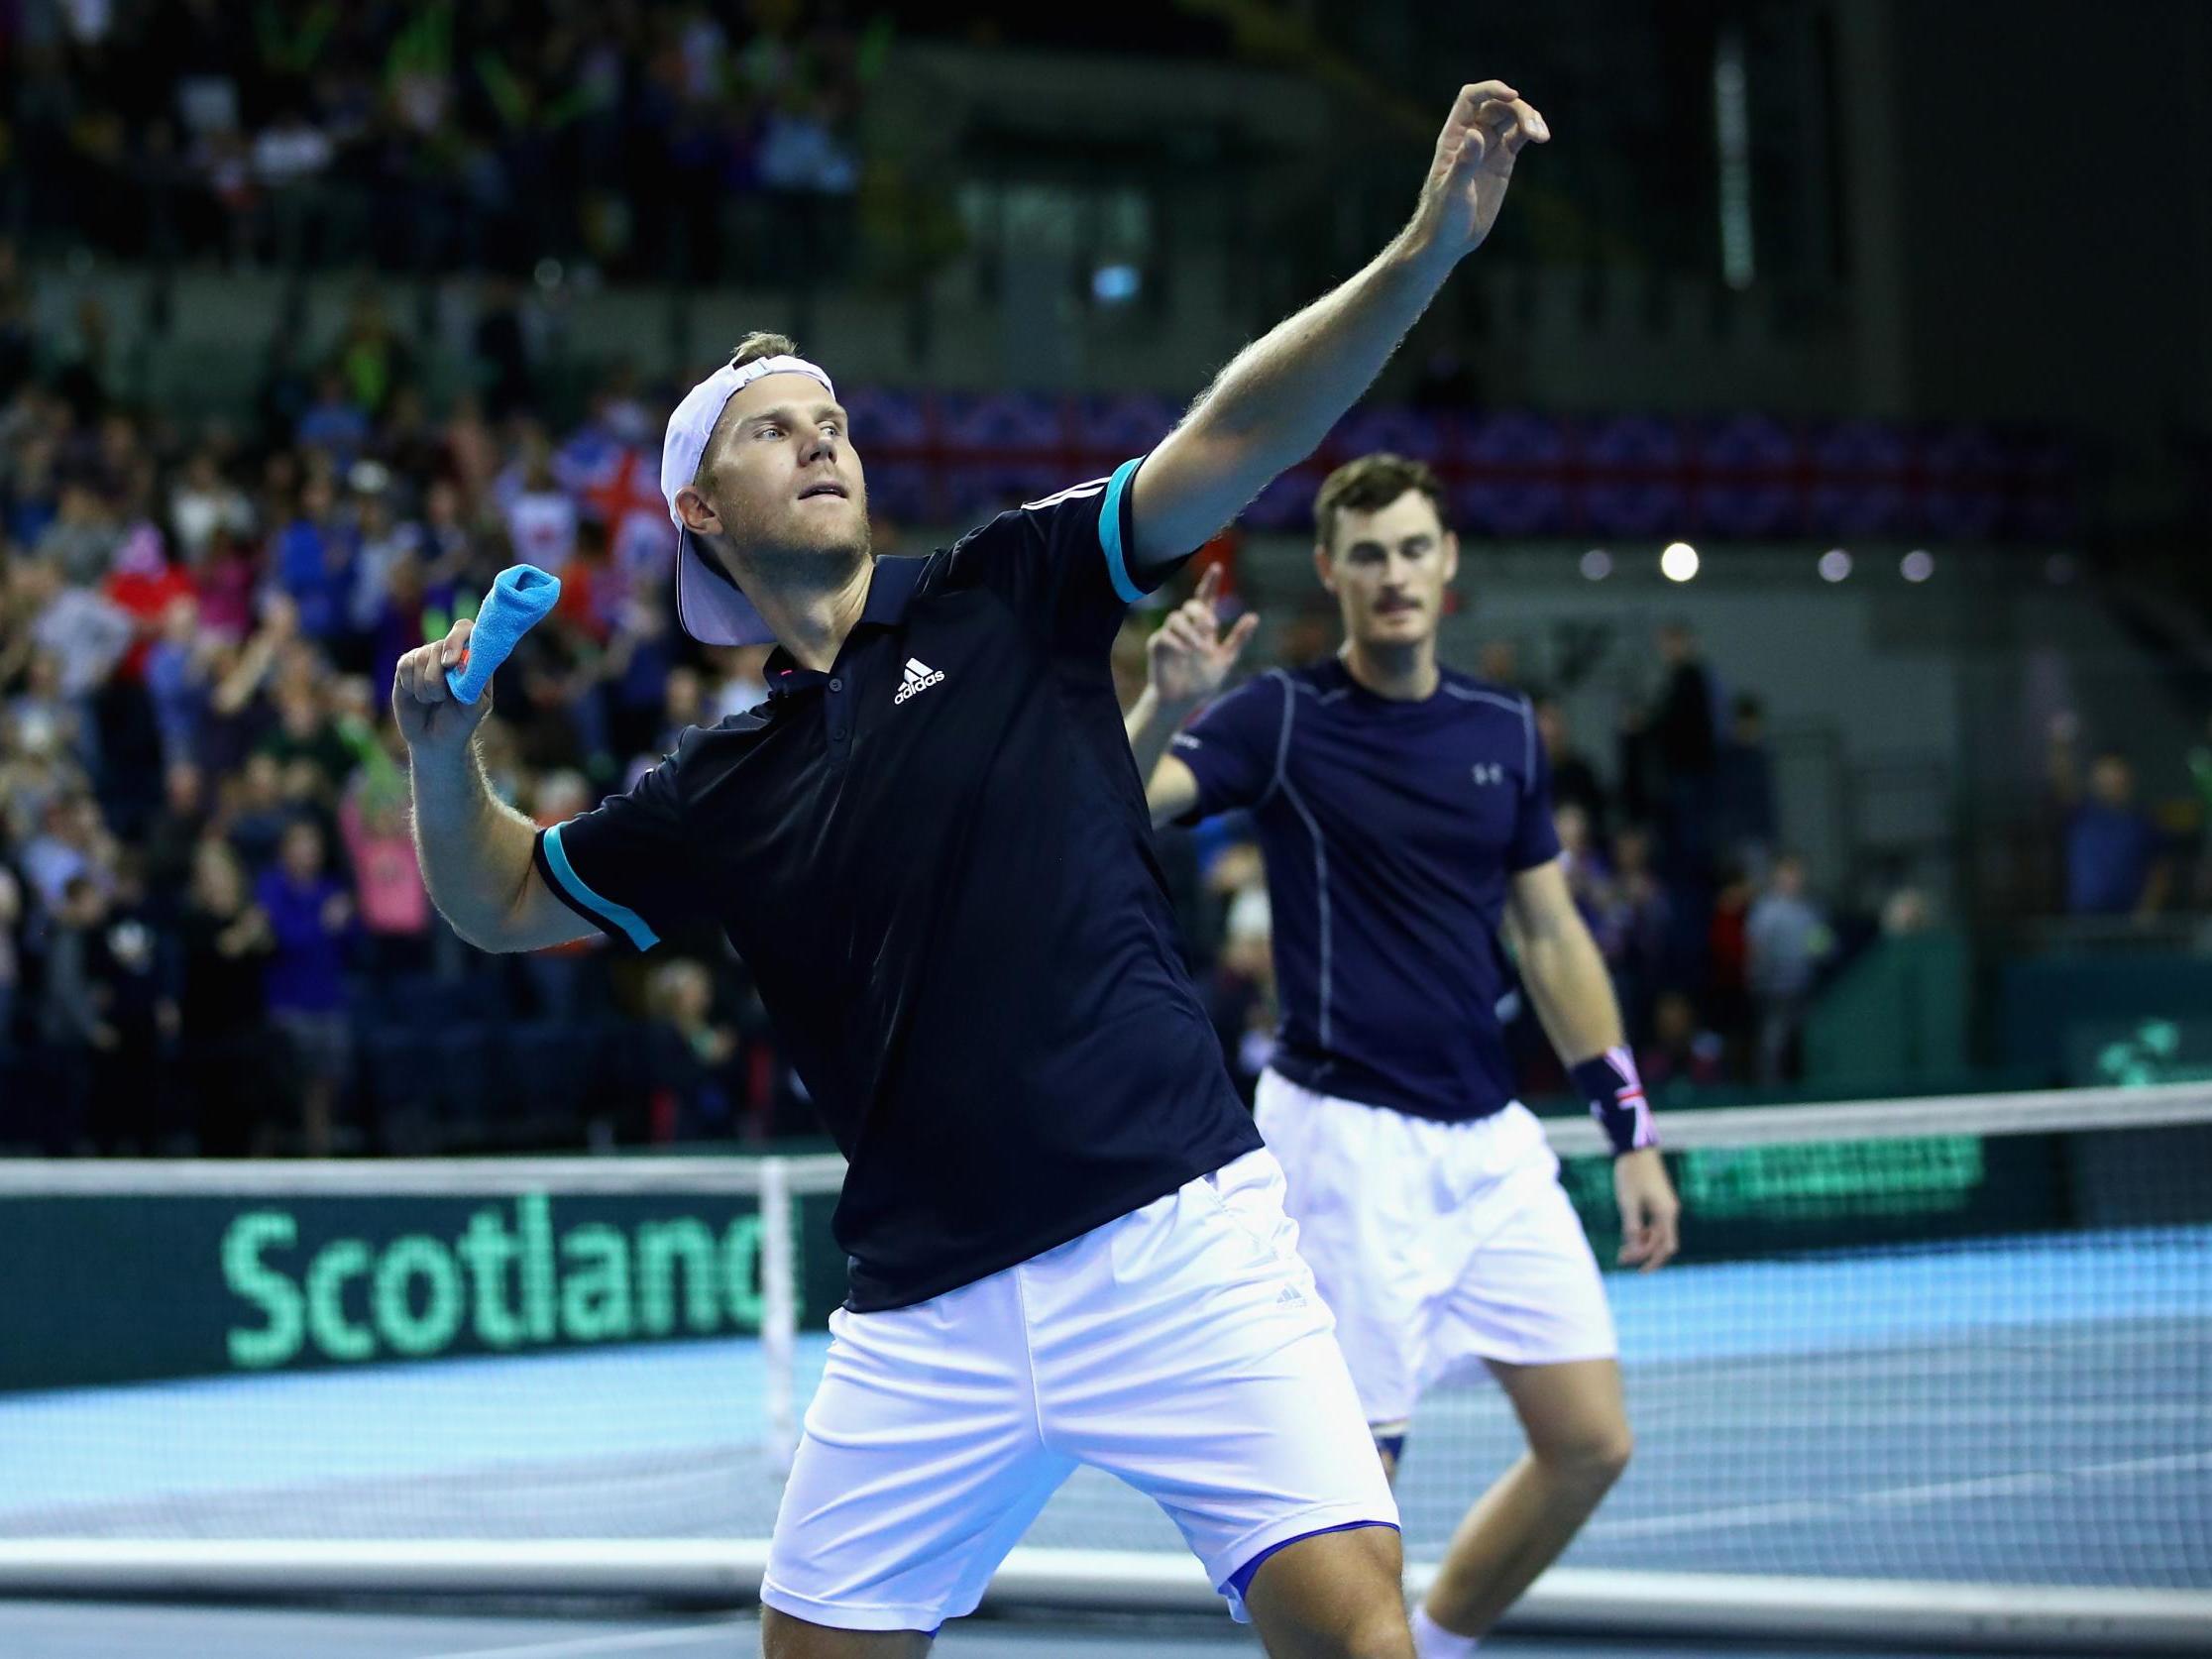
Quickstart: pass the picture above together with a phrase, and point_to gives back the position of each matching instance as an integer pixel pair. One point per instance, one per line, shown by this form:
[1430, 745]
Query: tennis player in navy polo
[931, 844]
[1404, 813]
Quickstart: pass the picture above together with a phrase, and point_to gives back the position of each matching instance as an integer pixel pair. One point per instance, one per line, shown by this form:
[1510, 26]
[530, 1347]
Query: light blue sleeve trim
[1110, 534]
[628, 920]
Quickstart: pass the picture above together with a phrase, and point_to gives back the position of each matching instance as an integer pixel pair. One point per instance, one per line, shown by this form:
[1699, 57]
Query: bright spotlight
[1679, 563]
[1917, 566]
[1596, 564]
[1835, 565]
[1116, 285]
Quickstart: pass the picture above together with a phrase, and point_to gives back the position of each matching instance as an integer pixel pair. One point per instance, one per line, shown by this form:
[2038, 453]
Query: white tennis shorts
[1183, 1347]
[1439, 1245]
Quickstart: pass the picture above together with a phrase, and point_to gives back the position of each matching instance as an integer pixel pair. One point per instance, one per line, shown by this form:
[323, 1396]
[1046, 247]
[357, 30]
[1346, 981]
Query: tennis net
[1961, 1342]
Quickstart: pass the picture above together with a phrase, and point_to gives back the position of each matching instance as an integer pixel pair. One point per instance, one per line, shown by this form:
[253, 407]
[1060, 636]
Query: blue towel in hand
[518, 601]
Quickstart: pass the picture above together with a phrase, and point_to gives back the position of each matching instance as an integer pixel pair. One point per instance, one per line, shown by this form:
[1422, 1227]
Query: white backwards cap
[708, 603]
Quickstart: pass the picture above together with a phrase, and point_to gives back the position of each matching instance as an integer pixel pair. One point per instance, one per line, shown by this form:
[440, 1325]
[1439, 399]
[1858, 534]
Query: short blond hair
[756, 346]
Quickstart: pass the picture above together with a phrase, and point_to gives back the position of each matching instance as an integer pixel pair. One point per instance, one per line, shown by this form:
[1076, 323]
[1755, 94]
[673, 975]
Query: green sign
[2130, 1053]
[1817, 1178]
[511, 1280]
[115, 1289]
[1820, 1194]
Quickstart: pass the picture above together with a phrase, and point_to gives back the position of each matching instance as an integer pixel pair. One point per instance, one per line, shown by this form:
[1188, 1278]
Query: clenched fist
[429, 717]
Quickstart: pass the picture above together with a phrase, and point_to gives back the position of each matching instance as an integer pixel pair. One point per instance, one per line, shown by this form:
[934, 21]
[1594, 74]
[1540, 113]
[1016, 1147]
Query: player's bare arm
[1280, 397]
[1567, 980]
[1185, 663]
[475, 852]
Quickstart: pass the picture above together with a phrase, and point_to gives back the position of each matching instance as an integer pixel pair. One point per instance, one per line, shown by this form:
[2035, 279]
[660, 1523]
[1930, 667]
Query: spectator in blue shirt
[2114, 862]
[311, 916]
[1743, 783]
[1787, 940]
[314, 562]
[334, 421]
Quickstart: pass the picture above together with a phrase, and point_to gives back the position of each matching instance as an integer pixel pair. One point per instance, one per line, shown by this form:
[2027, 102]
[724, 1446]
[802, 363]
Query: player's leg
[920, 1467]
[1577, 1446]
[785, 1637]
[1335, 1596]
[1529, 1303]
[1184, 1349]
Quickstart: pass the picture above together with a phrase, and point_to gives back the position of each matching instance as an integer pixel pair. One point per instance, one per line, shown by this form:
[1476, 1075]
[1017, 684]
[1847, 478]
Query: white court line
[1909, 1353]
[1700, 1520]
[633, 1642]
[1753, 1514]
[1845, 1417]
[2145, 1466]
[1942, 1491]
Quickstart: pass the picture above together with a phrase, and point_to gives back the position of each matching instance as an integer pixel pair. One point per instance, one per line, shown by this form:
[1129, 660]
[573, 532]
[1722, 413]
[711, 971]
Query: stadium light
[1917, 566]
[1679, 563]
[1596, 564]
[1835, 565]
[1116, 285]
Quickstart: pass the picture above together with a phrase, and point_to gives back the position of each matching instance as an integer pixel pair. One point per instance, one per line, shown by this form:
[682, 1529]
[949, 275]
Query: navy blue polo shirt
[1391, 831]
[936, 861]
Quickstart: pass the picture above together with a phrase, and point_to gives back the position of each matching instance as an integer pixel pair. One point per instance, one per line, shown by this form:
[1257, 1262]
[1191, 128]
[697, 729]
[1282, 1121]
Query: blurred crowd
[213, 931]
[664, 137]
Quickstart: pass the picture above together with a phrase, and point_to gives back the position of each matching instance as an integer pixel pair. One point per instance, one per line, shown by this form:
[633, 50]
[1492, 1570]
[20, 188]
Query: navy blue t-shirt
[1391, 831]
[2110, 854]
[936, 861]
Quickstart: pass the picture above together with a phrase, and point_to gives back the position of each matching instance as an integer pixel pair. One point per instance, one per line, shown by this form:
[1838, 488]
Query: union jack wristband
[1617, 1100]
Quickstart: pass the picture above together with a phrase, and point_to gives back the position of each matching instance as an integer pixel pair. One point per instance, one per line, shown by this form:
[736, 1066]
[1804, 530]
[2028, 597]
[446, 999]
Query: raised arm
[1279, 396]
[475, 852]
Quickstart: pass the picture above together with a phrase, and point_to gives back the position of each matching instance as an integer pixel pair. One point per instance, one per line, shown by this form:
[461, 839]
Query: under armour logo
[1490, 772]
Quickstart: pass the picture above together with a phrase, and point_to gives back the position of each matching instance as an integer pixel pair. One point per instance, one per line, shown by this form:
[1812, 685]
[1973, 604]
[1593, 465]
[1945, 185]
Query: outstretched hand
[1190, 655]
[1472, 165]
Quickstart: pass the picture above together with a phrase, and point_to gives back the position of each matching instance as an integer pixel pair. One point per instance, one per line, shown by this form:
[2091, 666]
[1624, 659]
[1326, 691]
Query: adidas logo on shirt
[920, 677]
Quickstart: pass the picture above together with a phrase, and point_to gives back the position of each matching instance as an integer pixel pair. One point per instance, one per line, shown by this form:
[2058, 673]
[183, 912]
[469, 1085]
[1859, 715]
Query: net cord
[2031, 1112]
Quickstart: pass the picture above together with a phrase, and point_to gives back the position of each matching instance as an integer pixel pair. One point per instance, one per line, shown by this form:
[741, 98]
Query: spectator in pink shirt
[395, 907]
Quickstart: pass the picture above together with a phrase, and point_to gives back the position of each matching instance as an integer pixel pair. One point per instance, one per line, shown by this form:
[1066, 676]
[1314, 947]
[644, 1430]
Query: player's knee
[1375, 1624]
[1596, 1457]
[1380, 1633]
[784, 1638]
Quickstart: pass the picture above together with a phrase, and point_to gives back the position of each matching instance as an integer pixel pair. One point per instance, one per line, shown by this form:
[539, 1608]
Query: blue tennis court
[2015, 1413]
[2027, 1413]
